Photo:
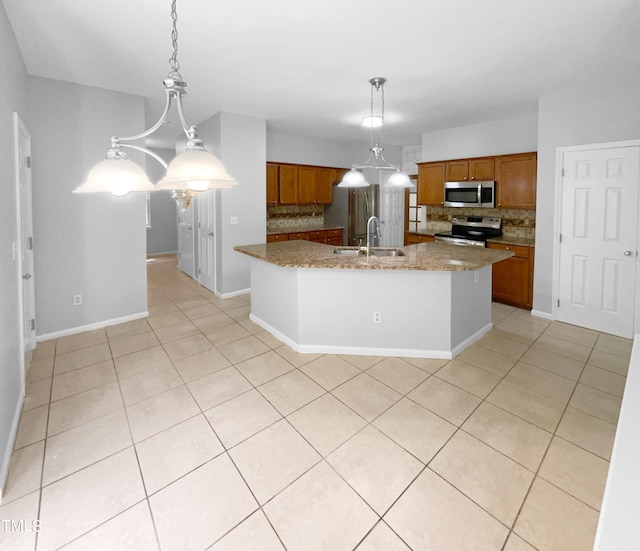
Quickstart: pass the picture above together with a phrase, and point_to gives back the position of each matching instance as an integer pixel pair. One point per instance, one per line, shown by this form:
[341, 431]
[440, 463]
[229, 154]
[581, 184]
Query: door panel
[206, 238]
[185, 240]
[599, 223]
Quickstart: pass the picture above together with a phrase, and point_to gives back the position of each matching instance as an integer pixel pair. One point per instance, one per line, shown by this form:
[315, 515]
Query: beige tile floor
[195, 429]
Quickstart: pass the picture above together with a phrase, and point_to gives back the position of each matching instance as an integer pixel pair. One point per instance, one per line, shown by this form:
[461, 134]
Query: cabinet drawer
[320, 235]
[334, 233]
[336, 241]
[300, 235]
[277, 237]
[518, 250]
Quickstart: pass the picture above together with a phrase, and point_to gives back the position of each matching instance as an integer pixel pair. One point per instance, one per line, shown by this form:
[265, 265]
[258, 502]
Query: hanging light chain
[173, 60]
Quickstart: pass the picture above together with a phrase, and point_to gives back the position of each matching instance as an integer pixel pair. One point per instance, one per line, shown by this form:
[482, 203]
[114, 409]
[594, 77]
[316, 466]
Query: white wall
[13, 97]
[500, 137]
[240, 143]
[574, 117]
[162, 236]
[284, 148]
[88, 244]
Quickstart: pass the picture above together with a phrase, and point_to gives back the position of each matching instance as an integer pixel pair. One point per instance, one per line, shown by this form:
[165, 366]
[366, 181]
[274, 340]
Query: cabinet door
[326, 178]
[512, 278]
[272, 185]
[288, 180]
[431, 184]
[457, 171]
[307, 184]
[516, 181]
[482, 169]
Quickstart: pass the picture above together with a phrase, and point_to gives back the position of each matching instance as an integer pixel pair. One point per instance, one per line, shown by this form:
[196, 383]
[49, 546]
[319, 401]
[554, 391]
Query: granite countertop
[304, 228]
[510, 240]
[503, 239]
[423, 256]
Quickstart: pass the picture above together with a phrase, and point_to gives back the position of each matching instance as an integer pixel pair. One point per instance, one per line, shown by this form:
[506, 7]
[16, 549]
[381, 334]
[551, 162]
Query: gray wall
[240, 143]
[285, 148]
[13, 97]
[93, 245]
[574, 117]
[512, 135]
[162, 236]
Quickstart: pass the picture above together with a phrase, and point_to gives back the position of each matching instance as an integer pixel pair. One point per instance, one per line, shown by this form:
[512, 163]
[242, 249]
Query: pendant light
[355, 178]
[193, 171]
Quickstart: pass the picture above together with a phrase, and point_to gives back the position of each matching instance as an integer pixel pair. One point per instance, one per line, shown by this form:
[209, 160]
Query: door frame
[557, 223]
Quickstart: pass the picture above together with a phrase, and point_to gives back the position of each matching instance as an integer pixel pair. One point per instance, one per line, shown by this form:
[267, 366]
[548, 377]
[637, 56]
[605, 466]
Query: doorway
[24, 248]
[597, 253]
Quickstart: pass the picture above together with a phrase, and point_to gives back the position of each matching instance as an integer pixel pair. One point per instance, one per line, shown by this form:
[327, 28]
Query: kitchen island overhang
[431, 303]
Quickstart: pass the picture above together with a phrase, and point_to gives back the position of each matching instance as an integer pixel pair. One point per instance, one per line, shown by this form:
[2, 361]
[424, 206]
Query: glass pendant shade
[117, 176]
[353, 178]
[196, 170]
[399, 180]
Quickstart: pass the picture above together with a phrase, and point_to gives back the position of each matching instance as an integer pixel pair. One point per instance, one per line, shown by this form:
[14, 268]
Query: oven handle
[479, 195]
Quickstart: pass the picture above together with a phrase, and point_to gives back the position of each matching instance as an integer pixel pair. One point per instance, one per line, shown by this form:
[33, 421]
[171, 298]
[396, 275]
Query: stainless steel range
[472, 230]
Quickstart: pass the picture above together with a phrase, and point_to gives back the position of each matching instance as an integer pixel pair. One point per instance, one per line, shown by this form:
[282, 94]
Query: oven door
[468, 194]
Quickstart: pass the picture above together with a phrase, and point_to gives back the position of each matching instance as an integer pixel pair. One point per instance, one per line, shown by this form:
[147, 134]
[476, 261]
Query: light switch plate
[234, 219]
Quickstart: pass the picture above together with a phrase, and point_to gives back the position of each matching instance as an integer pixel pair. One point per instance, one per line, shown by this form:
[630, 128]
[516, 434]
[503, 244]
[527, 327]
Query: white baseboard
[363, 351]
[233, 293]
[8, 452]
[90, 327]
[543, 315]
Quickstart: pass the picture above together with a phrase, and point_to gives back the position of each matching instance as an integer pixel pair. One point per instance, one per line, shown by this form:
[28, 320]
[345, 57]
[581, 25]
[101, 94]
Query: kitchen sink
[373, 251]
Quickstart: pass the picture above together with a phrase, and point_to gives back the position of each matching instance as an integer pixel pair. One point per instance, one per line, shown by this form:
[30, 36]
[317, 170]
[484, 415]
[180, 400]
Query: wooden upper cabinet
[431, 178]
[462, 170]
[482, 169]
[288, 180]
[516, 180]
[307, 185]
[273, 189]
[324, 188]
[457, 171]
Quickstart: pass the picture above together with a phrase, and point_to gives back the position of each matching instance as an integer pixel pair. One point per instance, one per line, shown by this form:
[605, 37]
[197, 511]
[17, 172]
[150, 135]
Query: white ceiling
[304, 65]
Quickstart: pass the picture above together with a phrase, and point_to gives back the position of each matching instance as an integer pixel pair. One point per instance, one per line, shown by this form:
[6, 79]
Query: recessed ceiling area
[305, 66]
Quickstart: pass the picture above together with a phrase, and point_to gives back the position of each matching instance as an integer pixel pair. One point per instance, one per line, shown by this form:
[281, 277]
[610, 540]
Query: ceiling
[304, 65]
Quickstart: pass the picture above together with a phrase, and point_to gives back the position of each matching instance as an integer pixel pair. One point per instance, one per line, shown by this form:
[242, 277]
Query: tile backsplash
[515, 222]
[291, 216]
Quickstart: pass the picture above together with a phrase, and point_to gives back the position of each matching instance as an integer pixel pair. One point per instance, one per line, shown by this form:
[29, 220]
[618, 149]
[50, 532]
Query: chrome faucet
[368, 249]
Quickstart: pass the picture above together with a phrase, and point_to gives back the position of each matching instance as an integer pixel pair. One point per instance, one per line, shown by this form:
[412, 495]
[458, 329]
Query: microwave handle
[479, 195]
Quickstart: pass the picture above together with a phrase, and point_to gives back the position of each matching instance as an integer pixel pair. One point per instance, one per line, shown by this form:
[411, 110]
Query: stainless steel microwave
[470, 194]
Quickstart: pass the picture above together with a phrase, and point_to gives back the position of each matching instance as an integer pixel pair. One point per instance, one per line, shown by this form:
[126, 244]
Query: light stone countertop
[423, 256]
[510, 240]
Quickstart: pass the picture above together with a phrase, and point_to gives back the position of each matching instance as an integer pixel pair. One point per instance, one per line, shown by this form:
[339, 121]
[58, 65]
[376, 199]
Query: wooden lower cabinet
[275, 237]
[330, 237]
[413, 238]
[512, 278]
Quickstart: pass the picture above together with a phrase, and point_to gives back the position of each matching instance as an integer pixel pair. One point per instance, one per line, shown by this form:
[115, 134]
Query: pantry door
[599, 239]
[206, 240]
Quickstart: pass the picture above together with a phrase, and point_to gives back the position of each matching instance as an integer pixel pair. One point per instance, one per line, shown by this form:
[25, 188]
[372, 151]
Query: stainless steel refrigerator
[352, 208]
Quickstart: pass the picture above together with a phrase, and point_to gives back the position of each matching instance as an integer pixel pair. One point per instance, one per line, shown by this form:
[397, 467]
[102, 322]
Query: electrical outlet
[234, 219]
[377, 317]
[476, 277]
[77, 300]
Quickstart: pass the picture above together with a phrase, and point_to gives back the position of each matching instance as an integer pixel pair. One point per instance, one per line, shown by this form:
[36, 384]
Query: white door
[391, 215]
[206, 240]
[598, 248]
[185, 240]
[25, 231]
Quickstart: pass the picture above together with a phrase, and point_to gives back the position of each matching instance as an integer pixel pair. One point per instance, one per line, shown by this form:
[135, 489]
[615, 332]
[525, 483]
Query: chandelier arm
[188, 130]
[155, 127]
[147, 151]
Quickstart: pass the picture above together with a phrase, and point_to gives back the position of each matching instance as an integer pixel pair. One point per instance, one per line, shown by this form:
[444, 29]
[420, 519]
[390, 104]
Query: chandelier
[376, 160]
[193, 171]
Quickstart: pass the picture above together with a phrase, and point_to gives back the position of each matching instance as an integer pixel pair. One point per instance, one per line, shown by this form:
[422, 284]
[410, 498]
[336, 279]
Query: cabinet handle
[473, 177]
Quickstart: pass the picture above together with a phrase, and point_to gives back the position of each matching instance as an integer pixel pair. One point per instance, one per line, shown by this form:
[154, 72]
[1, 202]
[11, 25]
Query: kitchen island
[431, 302]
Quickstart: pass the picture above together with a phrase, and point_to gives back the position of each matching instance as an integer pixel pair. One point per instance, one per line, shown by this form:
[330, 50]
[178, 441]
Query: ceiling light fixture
[189, 173]
[355, 177]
